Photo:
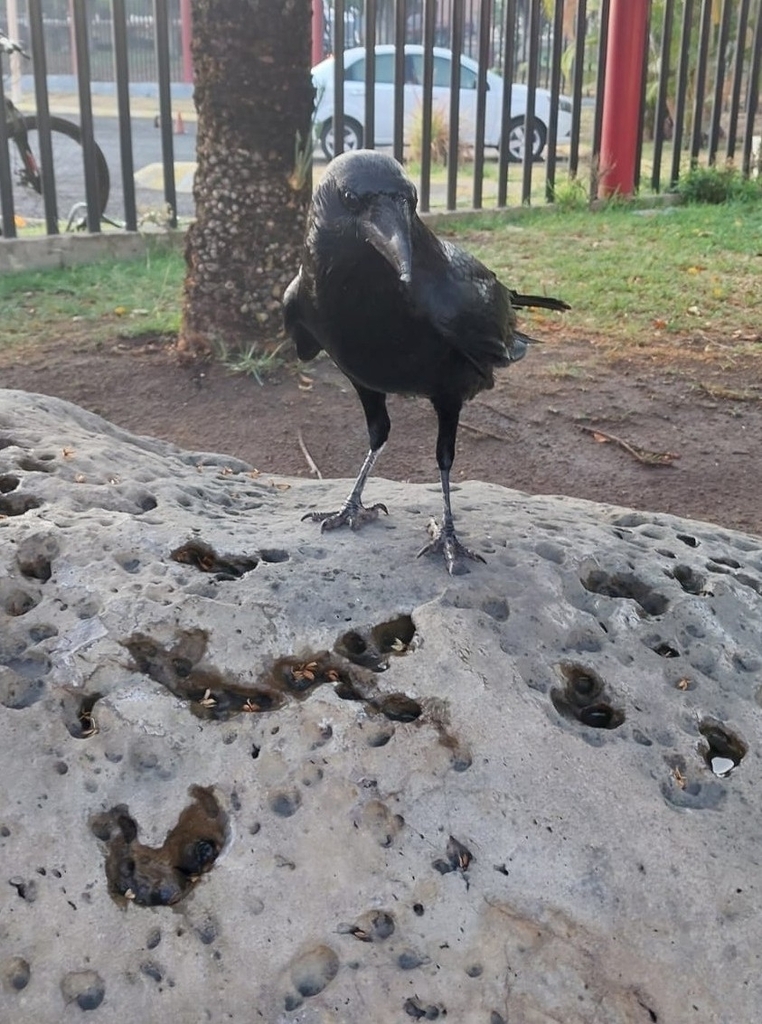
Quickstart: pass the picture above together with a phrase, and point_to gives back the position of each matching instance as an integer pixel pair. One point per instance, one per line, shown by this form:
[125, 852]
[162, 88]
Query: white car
[354, 101]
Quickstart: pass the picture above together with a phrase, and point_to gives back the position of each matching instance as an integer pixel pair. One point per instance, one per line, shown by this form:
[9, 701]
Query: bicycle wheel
[68, 168]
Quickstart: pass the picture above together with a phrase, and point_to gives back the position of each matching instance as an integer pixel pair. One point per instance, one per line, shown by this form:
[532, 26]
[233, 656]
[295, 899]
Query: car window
[414, 68]
[467, 77]
[442, 70]
[384, 69]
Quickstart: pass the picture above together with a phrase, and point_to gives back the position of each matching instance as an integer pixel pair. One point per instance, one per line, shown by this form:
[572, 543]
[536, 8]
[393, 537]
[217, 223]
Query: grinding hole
[203, 557]
[8, 483]
[724, 750]
[17, 504]
[691, 581]
[583, 698]
[398, 707]
[687, 539]
[624, 585]
[274, 555]
[665, 650]
[731, 563]
[16, 601]
[372, 647]
[161, 876]
[81, 724]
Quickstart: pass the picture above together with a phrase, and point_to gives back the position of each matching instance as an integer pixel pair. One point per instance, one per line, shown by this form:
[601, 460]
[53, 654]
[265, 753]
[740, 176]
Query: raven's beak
[387, 228]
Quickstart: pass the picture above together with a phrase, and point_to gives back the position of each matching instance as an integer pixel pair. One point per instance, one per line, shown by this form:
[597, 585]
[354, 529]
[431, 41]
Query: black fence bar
[555, 89]
[509, 21]
[82, 50]
[338, 77]
[399, 80]
[453, 149]
[735, 96]
[660, 110]
[165, 110]
[719, 80]
[369, 133]
[700, 79]
[533, 31]
[47, 172]
[429, 26]
[122, 75]
[481, 103]
[7, 211]
[682, 86]
[752, 92]
[579, 72]
[642, 109]
[596, 171]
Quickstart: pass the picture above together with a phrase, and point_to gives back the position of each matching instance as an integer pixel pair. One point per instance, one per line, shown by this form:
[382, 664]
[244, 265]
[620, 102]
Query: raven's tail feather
[520, 301]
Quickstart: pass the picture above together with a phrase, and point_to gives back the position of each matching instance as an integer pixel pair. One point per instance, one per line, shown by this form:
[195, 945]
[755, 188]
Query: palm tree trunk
[253, 94]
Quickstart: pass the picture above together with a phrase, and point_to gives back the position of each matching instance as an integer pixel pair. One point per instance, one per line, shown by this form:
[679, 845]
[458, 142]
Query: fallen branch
[310, 461]
[643, 455]
[484, 433]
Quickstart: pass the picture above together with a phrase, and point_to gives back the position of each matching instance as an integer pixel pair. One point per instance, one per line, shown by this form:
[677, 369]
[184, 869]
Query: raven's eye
[351, 200]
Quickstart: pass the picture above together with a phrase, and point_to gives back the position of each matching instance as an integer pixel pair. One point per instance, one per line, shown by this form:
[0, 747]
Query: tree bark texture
[253, 94]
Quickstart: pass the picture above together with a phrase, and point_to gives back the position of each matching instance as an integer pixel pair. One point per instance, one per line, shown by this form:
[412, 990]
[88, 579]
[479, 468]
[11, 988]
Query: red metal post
[185, 39]
[621, 98]
[317, 31]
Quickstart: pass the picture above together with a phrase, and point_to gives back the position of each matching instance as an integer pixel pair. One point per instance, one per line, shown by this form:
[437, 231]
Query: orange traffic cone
[179, 124]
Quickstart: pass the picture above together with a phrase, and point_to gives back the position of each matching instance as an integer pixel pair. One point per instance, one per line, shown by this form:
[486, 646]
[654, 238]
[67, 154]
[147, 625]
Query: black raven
[399, 311]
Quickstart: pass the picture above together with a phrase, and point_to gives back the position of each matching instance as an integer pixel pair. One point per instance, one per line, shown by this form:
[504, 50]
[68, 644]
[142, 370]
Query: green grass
[98, 301]
[635, 280]
[634, 277]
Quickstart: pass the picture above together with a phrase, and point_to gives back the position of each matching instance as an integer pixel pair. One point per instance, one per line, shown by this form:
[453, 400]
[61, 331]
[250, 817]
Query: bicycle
[26, 176]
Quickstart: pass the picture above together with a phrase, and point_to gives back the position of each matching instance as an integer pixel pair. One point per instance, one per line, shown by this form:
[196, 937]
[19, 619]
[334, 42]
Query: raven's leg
[353, 513]
[444, 539]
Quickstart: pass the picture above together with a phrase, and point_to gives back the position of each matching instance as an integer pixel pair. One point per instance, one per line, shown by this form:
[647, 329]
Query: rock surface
[252, 772]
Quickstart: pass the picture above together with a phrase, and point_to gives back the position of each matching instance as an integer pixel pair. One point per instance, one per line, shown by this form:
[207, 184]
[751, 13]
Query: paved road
[147, 159]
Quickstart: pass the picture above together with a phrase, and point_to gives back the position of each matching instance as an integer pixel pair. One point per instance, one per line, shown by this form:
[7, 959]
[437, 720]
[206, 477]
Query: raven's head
[367, 193]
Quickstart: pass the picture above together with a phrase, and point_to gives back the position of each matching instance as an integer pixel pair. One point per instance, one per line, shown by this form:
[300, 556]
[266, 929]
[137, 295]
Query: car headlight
[565, 105]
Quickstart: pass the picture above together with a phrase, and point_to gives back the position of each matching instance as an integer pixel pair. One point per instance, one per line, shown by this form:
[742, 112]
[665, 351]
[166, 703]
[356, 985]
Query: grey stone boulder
[253, 772]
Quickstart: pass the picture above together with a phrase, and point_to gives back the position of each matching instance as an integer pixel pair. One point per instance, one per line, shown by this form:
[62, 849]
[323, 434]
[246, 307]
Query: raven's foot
[444, 541]
[353, 514]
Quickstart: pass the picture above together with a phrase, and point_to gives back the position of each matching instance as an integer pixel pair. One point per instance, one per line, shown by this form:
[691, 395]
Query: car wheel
[352, 137]
[516, 140]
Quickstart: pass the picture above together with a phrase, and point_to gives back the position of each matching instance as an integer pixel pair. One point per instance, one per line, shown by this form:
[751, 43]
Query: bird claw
[445, 542]
[353, 514]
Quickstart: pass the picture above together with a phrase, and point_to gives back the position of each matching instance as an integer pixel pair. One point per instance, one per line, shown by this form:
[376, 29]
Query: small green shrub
[571, 195]
[718, 185]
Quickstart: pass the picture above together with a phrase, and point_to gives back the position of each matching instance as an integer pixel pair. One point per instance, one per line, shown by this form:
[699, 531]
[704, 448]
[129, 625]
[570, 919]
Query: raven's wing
[307, 345]
[467, 305]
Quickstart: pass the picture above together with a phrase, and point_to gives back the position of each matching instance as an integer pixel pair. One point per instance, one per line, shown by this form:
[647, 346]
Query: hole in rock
[687, 539]
[731, 563]
[80, 720]
[724, 750]
[666, 650]
[161, 876]
[626, 585]
[211, 694]
[16, 601]
[203, 557]
[8, 483]
[583, 698]
[32, 465]
[398, 707]
[372, 647]
[691, 581]
[17, 504]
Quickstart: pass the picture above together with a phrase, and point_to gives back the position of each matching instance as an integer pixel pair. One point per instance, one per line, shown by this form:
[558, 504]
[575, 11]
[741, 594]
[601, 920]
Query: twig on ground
[643, 455]
[484, 433]
[310, 461]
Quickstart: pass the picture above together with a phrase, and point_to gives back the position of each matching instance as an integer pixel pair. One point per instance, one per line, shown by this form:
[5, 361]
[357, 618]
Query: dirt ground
[690, 414]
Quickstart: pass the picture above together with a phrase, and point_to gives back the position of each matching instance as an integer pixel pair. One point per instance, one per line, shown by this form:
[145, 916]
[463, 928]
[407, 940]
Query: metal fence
[699, 102]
